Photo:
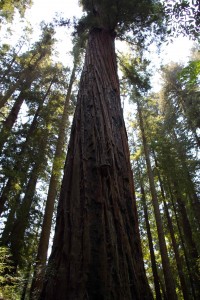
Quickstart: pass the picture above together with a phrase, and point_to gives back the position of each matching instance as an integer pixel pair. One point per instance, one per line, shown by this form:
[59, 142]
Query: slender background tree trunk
[151, 249]
[50, 203]
[170, 286]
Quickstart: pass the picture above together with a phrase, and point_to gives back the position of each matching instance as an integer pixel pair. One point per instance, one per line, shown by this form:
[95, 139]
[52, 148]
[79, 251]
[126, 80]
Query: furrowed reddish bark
[96, 251]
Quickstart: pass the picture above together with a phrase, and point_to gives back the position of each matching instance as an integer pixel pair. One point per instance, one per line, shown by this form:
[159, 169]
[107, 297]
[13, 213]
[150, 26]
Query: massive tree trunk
[96, 252]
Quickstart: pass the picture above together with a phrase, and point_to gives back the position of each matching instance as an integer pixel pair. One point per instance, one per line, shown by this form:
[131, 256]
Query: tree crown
[126, 16]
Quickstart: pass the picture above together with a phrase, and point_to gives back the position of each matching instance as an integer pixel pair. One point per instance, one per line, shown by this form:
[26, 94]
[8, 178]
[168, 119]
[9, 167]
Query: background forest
[37, 101]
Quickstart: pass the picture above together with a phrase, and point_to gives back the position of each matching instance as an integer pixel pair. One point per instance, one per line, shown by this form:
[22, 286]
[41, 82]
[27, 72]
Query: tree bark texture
[96, 251]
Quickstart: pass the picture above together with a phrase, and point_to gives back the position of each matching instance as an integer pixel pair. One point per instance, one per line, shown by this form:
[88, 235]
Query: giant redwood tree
[96, 250]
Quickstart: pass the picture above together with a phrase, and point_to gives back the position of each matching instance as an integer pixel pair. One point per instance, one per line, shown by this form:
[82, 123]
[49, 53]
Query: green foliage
[189, 75]
[7, 8]
[113, 14]
[126, 18]
[169, 137]
[180, 89]
[10, 283]
[141, 21]
[135, 71]
[27, 155]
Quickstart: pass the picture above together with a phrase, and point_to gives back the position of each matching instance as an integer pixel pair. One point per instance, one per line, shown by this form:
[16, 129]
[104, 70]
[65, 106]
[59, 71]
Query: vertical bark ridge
[96, 252]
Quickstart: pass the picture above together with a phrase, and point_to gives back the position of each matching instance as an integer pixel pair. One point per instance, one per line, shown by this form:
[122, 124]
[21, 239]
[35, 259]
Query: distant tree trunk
[190, 187]
[169, 282]
[18, 166]
[190, 244]
[176, 252]
[174, 242]
[10, 64]
[32, 245]
[50, 203]
[26, 282]
[179, 225]
[150, 241]
[172, 234]
[152, 254]
[12, 117]
[10, 120]
[162, 285]
[193, 125]
[26, 74]
[96, 251]
[187, 230]
[21, 222]
[5, 98]
[23, 168]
